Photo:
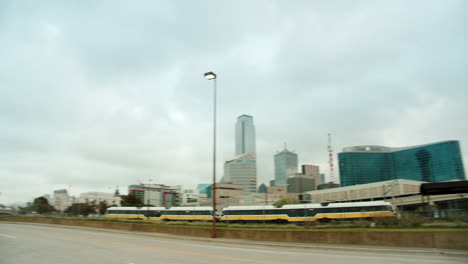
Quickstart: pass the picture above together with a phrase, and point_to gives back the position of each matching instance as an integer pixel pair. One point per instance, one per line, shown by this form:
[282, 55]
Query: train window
[301, 212]
[332, 210]
[310, 212]
[295, 212]
[351, 209]
[291, 212]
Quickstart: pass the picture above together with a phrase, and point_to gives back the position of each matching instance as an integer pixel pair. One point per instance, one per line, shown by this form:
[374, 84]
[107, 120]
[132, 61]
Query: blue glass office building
[433, 162]
[285, 165]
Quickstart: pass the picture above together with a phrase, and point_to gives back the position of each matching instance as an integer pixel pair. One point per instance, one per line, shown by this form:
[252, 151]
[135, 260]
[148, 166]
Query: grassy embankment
[405, 224]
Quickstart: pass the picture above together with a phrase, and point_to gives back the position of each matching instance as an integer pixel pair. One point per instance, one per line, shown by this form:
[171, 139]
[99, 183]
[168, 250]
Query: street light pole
[212, 76]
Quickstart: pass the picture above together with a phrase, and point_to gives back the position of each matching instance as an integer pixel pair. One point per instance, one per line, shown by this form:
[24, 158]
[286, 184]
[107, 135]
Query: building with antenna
[286, 163]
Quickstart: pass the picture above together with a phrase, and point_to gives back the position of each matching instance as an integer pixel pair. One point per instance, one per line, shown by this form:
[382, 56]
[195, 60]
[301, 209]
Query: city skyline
[91, 102]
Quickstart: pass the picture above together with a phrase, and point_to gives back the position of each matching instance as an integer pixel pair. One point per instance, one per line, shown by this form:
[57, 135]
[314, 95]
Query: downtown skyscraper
[285, 165]
[245, 135]
[242, 169]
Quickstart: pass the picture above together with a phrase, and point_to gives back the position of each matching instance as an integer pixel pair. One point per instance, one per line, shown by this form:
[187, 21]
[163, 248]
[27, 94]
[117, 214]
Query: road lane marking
[7, 236]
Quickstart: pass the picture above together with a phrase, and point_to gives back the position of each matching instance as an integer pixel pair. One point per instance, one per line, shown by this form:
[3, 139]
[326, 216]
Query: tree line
[41, 205]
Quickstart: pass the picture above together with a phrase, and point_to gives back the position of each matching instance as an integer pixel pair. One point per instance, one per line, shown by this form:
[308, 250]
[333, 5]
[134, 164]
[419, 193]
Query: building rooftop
[368, 185]
[248, 155]
[382, 149]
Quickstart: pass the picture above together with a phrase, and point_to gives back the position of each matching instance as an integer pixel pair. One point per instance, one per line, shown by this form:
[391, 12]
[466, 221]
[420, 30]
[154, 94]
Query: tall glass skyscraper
[245, 135]
[435, 162]
[242, 169]
[285, 165]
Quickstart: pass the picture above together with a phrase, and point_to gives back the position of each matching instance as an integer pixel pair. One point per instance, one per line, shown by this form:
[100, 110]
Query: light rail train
[5, 211]
[135, 213]
[294, 213]
[297, 213]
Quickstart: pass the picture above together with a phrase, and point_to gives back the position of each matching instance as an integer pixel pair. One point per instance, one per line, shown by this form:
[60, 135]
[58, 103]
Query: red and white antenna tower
[330, 159]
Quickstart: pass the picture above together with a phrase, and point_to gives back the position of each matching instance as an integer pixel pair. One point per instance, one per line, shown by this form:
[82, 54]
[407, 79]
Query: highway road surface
[29, 243]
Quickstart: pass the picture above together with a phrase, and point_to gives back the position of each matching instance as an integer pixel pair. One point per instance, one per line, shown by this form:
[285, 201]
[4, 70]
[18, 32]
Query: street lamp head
[210, 75]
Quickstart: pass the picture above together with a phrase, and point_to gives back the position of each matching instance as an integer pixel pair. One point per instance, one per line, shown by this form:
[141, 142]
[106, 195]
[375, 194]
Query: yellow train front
[297, 213]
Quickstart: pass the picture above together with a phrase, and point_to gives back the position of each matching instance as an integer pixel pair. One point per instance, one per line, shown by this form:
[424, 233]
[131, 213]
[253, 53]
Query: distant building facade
[245, 135]
[227, 190]
[158, 195]
[322, 178]
[97, 197]
[203, 188]
[262, 188]
[242, 170]
[61, 200]
[276, 189]
[366, 191]
[189, 197]
[272, 182]
[286, 163]
[226, 194]
[275, 193]
[435, 162]
[328, 185]
[314, 172]
[300, 183]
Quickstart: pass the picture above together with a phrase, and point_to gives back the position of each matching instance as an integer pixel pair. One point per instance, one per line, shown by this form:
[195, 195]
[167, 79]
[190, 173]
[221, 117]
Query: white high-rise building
[245, 135]
[242, 170]
[62, 200]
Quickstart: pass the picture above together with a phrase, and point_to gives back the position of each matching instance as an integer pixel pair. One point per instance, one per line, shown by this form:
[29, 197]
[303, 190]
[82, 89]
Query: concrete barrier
[424, 239]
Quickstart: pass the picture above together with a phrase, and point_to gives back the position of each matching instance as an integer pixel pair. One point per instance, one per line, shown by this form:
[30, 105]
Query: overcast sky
[95, 94]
